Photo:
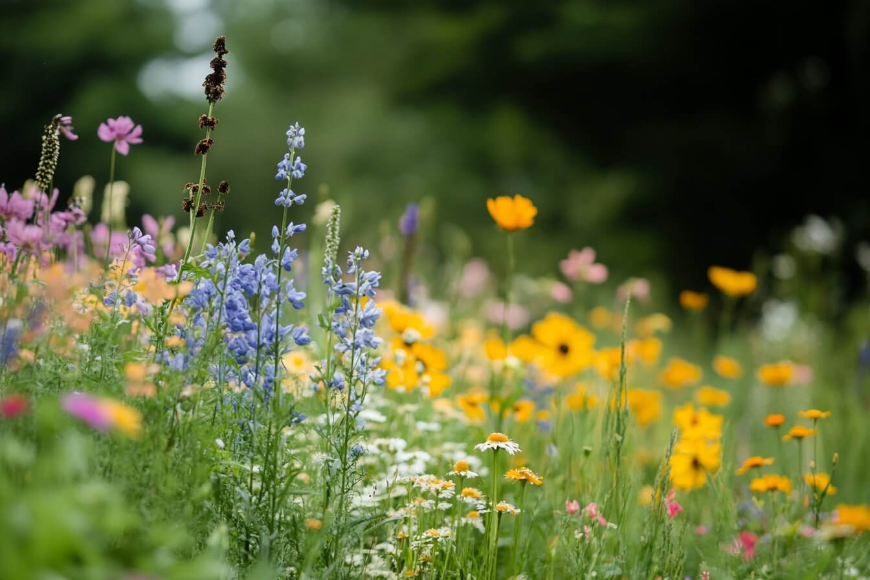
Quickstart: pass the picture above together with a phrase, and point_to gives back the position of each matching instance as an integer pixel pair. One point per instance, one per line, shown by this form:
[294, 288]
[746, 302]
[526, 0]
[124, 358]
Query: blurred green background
[667, 134]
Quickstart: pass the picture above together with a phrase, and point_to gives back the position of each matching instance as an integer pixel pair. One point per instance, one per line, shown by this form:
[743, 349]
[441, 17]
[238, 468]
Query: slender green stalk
[283, 235]
[492, 555]
[109, 205]
[195, 209]
[518, 526]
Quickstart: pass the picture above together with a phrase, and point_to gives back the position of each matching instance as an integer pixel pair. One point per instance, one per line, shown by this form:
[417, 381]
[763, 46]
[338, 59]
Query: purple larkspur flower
[410, 220]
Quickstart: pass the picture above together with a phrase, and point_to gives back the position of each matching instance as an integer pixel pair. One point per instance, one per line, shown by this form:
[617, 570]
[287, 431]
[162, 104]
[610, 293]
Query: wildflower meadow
[183, 399]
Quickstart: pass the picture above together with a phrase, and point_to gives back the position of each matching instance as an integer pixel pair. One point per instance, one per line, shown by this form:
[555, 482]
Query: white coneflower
[505, 507]
[498, 441]
[462, 469]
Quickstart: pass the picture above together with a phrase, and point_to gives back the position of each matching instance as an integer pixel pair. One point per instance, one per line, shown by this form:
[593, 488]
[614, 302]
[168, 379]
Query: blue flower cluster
[353, 322]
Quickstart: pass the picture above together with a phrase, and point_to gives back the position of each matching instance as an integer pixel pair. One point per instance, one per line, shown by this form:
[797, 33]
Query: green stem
[518, 525]
[109, 205]
[493, 518]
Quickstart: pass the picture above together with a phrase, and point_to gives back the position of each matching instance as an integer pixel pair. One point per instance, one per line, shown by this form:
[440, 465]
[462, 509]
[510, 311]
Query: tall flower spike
[214, 81]
[50, 153]
[333, 238]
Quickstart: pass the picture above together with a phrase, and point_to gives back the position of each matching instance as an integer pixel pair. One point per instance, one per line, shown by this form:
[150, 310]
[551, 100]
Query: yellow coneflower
[727, 367]
[798, 432]
[776, 374]
[679, 373]
[692, 461]
[820, 481]
[855, 516]
[512, 213]
[713, 397]
[524, 475]
[814, 414]
[771, 483]
[754, 463]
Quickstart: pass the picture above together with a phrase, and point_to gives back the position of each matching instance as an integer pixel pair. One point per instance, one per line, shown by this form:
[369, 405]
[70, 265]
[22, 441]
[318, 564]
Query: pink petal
[105, 133]
[122, 147]
[597, 274]
[586, 255]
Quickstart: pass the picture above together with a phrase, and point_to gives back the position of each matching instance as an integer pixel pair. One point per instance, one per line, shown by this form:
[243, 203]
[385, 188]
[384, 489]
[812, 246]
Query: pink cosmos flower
[66, 128]
[572, 507]
[13, 406]
[475, 277]
[122, 131]
[23, 236]
[638, 287]
[517, 315]
[87, 409]
[747, 544]
[15, 205]
[561, 292]
[580, 265]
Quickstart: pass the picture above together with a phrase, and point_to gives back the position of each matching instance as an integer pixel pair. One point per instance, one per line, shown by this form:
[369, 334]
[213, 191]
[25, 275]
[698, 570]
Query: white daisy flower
[498, 441]
[462, 469]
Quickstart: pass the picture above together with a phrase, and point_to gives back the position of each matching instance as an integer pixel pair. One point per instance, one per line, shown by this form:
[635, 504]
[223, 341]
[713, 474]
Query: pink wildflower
[673, 508]
[580, 265]
[572, 507]
[15, 205]
[87, 409]
[747, 544]
[13, 406]
[122, 132]
[561, 292]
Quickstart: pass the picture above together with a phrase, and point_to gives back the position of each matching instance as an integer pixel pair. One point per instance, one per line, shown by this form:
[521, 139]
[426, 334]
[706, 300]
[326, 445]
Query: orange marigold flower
[524, 475]
[696, 301]
[776, 374]
[727, 367]
[512, 213]
[771, 483]
[799, 432]
[732, 282]
[855, 516]
[814, 414]
[774, 420]
[753, 463]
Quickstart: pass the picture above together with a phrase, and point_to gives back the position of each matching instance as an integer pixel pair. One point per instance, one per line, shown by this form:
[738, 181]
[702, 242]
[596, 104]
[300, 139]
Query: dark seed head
[224, 187]
[220, 45]
[203, 146]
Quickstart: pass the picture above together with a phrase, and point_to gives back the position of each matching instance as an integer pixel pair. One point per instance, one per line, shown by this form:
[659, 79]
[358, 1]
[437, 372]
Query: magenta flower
[122, 131]
[88, 409]
[13, 406]
[673, 508]
[572, 507]
[66, 128]
[581, 265]
[15, 205]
